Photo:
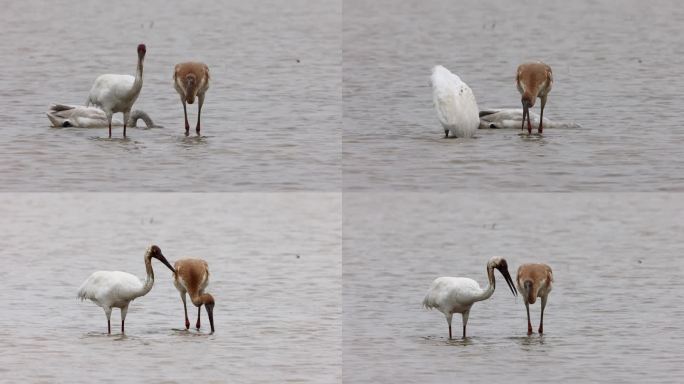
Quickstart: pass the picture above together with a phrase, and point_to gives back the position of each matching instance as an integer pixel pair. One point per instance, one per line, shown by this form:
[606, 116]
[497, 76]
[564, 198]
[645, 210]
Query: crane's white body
[452, 295]
[79, 116]
[512, 118]
[114, 93]
[117, 93]
[458, 294]
[455, 103]
[114, 289]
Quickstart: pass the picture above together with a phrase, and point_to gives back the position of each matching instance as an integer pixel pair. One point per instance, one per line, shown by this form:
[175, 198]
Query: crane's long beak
[210, 313]
[166, 262]
[509, 281]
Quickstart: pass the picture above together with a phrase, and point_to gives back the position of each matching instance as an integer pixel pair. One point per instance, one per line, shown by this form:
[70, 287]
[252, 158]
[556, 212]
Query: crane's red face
[142, 50]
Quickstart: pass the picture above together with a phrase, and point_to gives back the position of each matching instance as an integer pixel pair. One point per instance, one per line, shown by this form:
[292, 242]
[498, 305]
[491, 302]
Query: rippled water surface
[614, 314]
[275, 273]
[617, 73]
[270, 121]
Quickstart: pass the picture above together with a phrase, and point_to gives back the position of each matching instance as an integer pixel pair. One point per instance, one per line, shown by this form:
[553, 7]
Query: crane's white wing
[110, 89]
[110, 287]
[454, 102]
[450, 292]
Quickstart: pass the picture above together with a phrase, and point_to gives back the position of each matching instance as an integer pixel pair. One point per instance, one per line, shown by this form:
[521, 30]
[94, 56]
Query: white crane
[117, 93]
[192, 276]
[455, 103]
[115, 289]
[79, 116]
[458, 294]
[534, 280]
[191, 79]
[534, 80]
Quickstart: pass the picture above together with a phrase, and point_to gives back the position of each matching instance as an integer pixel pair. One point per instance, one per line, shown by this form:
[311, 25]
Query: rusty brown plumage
[192, 277]
[534, 280]
[534, 80]
[191, 79]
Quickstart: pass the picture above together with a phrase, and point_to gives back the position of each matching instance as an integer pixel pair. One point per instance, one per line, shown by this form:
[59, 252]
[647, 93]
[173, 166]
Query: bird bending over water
[115, 289]
[454, 102]
[191, 79]
[534, 80]
[118, 93]
[511, 118]
[458, 294]
[78, 116]
[534, 280]
[192, 277]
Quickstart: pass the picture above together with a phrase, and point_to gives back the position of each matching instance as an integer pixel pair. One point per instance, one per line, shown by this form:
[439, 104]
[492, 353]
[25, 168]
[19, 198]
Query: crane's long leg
[541, 320]
[465, 322]
[108, 313]
[126, 116]
[541, 117]
[199, 310]
[109, 119]
[187, 125]
[200, 101]
[446, 133]
[529, 324]
[448, 317]
[185, 309]
[124, 311]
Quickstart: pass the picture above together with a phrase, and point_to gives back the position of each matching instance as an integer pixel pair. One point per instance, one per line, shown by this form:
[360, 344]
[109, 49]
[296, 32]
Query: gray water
[614, 314]
[268, 121]
[277, 315]
[617, 69]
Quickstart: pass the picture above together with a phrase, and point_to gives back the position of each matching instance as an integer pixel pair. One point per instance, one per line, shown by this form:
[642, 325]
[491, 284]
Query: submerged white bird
[116, 289]
[79, 116]
[512, 118]
[458, 294]
[455, 103]
[117, 93]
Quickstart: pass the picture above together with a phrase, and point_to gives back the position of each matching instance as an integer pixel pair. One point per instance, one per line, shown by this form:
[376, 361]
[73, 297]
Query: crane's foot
[187, 324]
[541, 329]
[446, 133]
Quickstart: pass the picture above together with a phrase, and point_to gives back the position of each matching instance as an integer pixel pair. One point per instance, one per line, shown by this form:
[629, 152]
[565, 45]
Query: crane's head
[141, 50]
[501, 264]
[155, 252]
[208, 301]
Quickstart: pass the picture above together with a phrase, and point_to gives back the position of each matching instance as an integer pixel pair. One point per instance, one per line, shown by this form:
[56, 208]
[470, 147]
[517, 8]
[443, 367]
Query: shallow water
[614, 314]
[271, 123]
[275, 273]
[615, 74]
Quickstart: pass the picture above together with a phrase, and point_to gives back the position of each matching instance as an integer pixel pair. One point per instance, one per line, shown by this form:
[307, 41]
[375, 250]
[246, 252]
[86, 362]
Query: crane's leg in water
[199, 310]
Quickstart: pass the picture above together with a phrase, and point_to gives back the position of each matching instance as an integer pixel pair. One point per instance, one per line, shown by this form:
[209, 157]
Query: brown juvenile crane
[191, 79]
[534, 80]
[534, 280]
[192, 277]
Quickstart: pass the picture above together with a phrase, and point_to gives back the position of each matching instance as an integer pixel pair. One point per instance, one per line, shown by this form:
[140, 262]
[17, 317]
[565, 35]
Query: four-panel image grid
[341, 191]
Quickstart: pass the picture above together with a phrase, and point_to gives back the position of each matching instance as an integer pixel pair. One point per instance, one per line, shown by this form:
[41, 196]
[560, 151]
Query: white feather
[454, 102]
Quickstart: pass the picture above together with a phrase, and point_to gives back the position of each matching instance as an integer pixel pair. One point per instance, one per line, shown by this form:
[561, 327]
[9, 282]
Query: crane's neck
[149, 280]
[138, 114]
[137, 84]
[487, 292]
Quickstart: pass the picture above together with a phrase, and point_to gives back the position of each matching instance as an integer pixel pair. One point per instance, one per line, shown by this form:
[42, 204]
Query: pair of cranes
[118, 93]
[452, 295]
[457, 108]
[115, 289]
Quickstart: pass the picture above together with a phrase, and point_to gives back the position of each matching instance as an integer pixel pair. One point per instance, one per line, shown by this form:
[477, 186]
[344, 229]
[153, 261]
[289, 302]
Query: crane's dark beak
[210, 313]
[507, 277]
[166, 262]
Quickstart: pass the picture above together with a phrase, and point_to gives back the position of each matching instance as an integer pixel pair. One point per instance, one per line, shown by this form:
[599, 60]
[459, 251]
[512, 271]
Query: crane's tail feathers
[428, 303]
[60, 107]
